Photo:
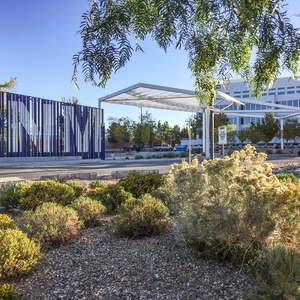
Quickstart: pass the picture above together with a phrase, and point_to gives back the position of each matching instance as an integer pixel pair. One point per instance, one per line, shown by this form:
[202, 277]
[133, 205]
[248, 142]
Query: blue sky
[39, 39]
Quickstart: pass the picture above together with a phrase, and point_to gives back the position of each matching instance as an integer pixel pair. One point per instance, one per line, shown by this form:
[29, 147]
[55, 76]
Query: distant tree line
[149, 131]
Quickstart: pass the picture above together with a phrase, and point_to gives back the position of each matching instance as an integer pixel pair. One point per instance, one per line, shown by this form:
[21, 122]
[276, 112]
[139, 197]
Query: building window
[281, 93]
[290, 92]
[290, 87]
[246, 96]
[281, 88]
[270, 94]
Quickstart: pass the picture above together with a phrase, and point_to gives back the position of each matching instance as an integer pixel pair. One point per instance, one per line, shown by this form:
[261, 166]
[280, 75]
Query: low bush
[78, 188]
[10, 193]
[138, 156]
[141, 218]
[18, 254]
[112, 196]
[269, 151]
[8, 292]
[169, 155]
[97, 184]
[289, 176]
[50, 224]
[139, 184]
[90, 212]
[278, 151]
[7, 222]
[276, 274]
[46, 191]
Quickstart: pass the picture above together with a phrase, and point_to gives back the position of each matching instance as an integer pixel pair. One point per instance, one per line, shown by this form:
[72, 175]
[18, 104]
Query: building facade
[282, 99]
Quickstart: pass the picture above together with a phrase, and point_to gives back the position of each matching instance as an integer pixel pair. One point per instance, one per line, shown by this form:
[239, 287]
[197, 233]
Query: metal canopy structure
[161, 97]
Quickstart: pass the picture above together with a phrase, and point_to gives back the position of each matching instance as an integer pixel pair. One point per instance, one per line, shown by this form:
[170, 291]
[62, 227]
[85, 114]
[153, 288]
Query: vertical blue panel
[28, 129]
[85, 130]
[34, 135]
[2, 124]
[102, 151]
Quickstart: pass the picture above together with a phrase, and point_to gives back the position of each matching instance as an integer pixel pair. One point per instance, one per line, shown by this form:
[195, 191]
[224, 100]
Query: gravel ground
[101, 266]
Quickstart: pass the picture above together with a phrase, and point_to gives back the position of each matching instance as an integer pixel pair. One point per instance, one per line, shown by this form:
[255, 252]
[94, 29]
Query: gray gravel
[101, 266]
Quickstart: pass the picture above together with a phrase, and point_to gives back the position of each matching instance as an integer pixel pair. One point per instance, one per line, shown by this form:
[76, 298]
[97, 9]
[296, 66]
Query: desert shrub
[97, 184]
[139, 156]
[46, 191]
[276, 274]
[278, 151]
[163, 194]
[139, 184]
[235, 203]
[141, 217]
[289, 176]
[8, 292]
[89, 211]
[111, 197]
[6, 222]
[169, 155]
[50, 224]
[18, 254]
[10, 193]
[269, 151]
[78, 188]
[184, 154]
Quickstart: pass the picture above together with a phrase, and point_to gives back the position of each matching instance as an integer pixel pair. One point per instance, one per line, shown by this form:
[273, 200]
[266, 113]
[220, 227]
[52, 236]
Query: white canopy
[161, 97]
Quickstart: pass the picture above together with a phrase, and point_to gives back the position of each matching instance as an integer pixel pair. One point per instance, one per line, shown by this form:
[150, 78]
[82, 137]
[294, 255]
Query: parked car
[162, 147]
[133, 148]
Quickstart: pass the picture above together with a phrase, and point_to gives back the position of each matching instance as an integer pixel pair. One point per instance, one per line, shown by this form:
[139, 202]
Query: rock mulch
[101, 266]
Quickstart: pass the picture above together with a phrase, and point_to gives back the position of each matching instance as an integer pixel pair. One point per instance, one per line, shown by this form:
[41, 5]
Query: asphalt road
[105, 168]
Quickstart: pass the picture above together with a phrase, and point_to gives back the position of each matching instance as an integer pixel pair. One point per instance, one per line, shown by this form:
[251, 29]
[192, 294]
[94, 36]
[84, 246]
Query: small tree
[269, 127]
[253, 135]
[243, 135]
[119, 131]
[291, 132]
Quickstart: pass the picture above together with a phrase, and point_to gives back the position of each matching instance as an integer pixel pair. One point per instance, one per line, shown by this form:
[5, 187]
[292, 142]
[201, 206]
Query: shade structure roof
[162, 97]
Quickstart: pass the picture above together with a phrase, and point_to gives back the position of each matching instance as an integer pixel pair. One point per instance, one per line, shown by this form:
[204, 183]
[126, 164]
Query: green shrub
[50, 224]
[111, 197]
[139, 184]
[269, 151]
[97, 184]
[163, 194]
[7, 222]
[89, 211]
[276, 274]
[46, 191]
[278, 151]
[8, 292]
[169, 155]
[138, 156]
[78, 188]
[18, 254]
[10, 193]
[289, 176]
[95, 193]
[141, 217]
[184, 154]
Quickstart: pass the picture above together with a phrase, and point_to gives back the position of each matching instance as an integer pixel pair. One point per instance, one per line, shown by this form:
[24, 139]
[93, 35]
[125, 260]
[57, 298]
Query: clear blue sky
[39, 39]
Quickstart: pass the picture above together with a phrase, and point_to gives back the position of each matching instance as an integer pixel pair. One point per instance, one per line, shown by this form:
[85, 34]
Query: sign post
[222, 137]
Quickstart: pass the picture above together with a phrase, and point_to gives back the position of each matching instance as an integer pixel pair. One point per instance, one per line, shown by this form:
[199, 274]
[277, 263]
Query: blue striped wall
[31, 126]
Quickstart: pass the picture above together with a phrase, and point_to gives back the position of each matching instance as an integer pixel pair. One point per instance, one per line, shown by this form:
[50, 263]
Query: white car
[163, 147]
